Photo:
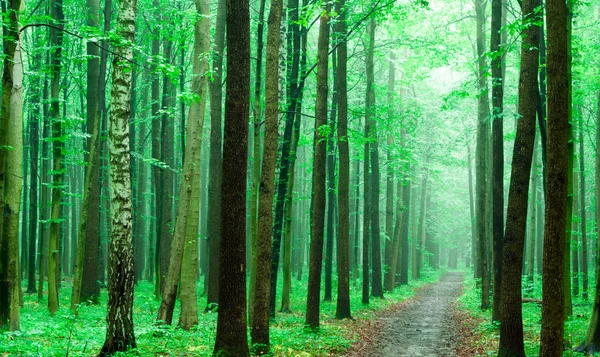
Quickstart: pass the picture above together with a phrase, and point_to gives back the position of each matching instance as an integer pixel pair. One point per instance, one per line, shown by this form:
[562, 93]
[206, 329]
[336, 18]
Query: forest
[300, 178]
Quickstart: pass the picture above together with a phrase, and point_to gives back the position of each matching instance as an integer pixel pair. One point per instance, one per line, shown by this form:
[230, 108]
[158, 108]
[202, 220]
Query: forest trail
[424, 327]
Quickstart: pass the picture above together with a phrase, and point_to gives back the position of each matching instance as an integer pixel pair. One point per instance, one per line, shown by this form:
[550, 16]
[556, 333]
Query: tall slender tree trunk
[343, 260]
[331, 194]
[497, 153]
[476, 272]
[119, 332]
[11, 184]
[257, 118]
[511, 328]
[591, 344]
[575, 239]
[377, 287]
[231, 339]
[571, 150]
[260, 321]
[156, 155]
[216, 158]
[391, 255]
[582, 208]
[56, 37]
[406, 202]
[556, 181]
[481, 174]
[87, 280]
[183, 260]
[420, 237]
[532, 233]
[34, 134]
[320, 151]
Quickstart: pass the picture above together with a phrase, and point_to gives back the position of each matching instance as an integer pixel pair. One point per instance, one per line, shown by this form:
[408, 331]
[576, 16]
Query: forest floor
[421, 326]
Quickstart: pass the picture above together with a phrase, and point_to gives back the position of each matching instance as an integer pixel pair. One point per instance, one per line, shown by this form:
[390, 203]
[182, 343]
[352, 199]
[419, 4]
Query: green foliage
[43, 335]
[575, 327]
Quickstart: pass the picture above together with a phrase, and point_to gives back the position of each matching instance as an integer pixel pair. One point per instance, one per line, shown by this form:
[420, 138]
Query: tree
[90, 289]
[260, 320]
[591, 344]
[56, 38]
[231, 339]
[11, 136]
[497, 152]
[119, 332]
[343, 237]
[481, 157]
[183, 261]
[511, 327]
[556, 181]
[216, 163]
[320, 147]
[377, 287]
[584, 242]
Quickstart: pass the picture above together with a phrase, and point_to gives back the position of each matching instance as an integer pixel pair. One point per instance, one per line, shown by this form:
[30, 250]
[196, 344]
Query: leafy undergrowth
[66, 335]
[481, 336]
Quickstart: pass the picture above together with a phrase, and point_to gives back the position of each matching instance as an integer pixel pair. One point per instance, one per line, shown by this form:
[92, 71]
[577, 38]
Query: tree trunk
[497, 152]
[556, 181]
[56, 36]
[87, 280]
[331, 194]
[119, 332]
[532, 234]
[481, 174]
[260, 321]
[571, 150]
[34, 134]
[575, 239]
[320, 147]
[406, 202]
[582, 208]
[476, 272]
[257, 118]
[391, 255]
[157, 173]
[377, 287]
[231, 339]
[511, 328]
[11, 135]
[184, 246]
[591, 344]
[343, 260]
[216, 161]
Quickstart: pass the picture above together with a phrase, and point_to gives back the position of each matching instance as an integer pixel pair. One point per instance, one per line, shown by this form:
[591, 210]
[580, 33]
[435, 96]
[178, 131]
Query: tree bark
[216, 161]
[497, 152]
[87, 279]
[260, 321]
[511, 328]
[481, 174]
[56, 38]
[343, 260]
[11, 164]
[591, 344]
[119, 332]
[320, 148]
[256, 160]
[231, 339]
[582, 206]
[556, 181]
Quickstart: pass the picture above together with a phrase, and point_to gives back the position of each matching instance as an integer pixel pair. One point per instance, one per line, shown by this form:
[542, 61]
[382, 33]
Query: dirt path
[423, 327]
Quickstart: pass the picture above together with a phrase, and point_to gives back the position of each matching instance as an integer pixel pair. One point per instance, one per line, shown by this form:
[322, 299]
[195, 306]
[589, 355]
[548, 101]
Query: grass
[66, 335]
[575, 327]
